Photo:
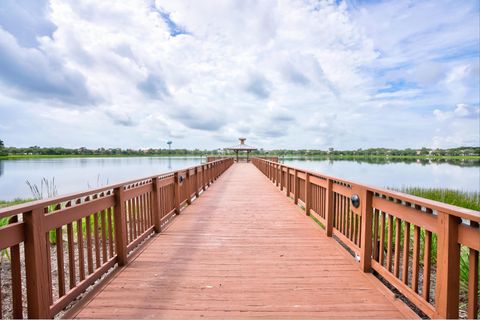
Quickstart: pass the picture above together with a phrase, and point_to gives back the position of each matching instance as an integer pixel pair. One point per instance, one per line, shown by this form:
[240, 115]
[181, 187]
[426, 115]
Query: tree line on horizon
[409, 152]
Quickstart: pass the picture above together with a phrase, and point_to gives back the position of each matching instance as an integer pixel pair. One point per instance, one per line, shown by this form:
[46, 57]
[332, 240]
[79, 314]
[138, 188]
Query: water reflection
[423, 161]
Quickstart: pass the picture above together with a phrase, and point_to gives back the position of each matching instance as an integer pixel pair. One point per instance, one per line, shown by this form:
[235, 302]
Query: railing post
[277, 174]
[188, 187]
[295, 186]
[448, 264]
[120, 226]
[274, 172]
[196, 183]
[156, 205]
[281, 178]
[209, 174]
[288, 182]
[212, 173]
[329, 208]
[176, 193]
[366, 197]
[308, 194]
[204, 180]
[36, 265]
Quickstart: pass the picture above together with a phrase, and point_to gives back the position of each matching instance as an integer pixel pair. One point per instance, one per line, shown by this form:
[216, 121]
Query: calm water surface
[77, 174]
[461, 176]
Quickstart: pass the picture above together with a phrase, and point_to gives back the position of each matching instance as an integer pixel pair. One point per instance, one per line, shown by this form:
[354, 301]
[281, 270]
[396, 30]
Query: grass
[464, 199]
[4, 204]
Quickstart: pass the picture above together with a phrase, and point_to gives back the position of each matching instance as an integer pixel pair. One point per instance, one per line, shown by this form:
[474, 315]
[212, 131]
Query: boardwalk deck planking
[242, 250]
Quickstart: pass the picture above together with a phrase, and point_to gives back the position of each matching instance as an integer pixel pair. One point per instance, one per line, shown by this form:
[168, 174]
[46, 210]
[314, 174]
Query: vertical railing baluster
[16, 273]
[406, 252]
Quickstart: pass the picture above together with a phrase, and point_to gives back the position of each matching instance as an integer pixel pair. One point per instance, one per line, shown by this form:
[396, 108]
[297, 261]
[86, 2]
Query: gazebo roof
[242, 146]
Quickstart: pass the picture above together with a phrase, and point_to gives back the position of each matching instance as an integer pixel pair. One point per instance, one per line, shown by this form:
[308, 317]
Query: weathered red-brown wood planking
[242, 250]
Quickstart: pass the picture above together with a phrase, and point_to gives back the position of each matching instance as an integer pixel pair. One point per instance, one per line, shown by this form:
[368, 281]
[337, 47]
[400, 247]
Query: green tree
[3, 152]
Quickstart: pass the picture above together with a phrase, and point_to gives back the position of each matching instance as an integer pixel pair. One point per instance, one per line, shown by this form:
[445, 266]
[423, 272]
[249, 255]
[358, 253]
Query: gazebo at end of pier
[242, 147]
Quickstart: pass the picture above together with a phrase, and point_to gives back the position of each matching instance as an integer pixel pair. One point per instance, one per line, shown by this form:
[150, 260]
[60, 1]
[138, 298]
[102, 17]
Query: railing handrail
[28, 206]
[433, 204]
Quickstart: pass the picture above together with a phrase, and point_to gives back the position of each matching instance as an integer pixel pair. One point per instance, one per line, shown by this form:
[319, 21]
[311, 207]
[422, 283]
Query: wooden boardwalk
[242, 250]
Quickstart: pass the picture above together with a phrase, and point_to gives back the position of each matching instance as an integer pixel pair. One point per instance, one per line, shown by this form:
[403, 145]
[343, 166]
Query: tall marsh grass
[460, 198]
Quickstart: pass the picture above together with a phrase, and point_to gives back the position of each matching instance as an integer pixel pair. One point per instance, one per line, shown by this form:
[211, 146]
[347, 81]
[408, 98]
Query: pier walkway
[239, 240]
[242, 249]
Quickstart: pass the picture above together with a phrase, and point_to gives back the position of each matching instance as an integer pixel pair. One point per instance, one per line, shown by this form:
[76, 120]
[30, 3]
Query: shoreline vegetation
[460, 153]
[286, 157]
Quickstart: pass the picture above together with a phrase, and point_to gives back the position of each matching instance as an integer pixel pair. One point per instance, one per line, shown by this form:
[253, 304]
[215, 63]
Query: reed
[460, 198]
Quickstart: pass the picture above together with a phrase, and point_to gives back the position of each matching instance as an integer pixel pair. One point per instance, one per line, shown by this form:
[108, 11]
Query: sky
[284, 74]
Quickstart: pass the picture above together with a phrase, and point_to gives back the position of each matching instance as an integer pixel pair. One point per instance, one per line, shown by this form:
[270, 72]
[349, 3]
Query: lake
[77, 174]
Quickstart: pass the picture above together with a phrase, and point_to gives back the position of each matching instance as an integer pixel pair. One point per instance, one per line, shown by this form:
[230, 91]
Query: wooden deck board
[242, 250]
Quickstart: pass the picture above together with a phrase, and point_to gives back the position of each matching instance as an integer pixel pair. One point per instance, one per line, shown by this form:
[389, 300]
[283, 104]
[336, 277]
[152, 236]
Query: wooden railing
[427, 250]
[56, 248]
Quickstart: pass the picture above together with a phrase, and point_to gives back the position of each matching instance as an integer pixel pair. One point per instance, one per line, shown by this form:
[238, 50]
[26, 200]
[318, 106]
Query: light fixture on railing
[355, 199]
[180, 179]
